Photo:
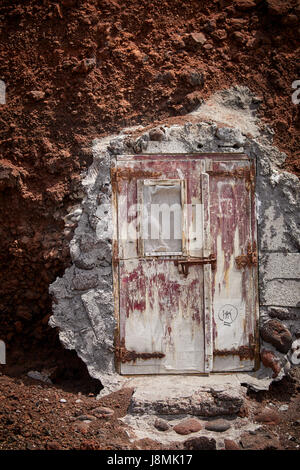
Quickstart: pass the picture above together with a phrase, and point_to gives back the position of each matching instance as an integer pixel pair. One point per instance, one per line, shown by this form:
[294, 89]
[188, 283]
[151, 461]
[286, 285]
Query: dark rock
[218, 425]
[36, 95]
[187, 426]
[236, 23]
[166, 77]
[194, 40]
[30, 446]
[86, 418]
[244, 411]
[18, 326]
[52, 446]
[195, 78]
[278, 7]
[85, 65]
[279, 312]
[244, 4]
[193, 100]
[200, 443]
[23, 312]
[268, 416]
[275, 333]
[239, 37]
[208, 47]
[262, 440]
[161, 424]
[9, 175]
[231, 445]
[290, 20]
[102, 411]
[178, 41]
[210, 25]
[269, 359]
[156, 134]
[197, 38]
[219, 34]
[81, 427]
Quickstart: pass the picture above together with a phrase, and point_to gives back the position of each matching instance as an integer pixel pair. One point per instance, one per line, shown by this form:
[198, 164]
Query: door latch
[184, 264]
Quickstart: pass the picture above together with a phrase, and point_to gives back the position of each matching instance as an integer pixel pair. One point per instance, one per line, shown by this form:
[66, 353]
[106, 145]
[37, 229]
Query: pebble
[62, 400]
[198, 38]
[188, 426]
[102, 411]
[86, 418]
[36, 375]
[268, 416]
[231, 445]
[36, 95]
[156, 134]
[161, 425]
[219, 425]
[81, 427]
[200, 443]
[283, 407]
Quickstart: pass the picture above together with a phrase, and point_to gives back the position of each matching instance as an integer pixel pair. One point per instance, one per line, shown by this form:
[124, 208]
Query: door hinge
[124, 355]
[249, 259]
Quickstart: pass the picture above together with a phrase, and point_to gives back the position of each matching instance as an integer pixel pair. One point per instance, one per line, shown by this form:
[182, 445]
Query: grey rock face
[83, 307]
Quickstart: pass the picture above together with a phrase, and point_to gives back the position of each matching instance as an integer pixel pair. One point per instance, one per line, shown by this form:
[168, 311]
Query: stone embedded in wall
[295, 352]
[280, 273]
[187, 426]
[275, 333]
[156, 135]
[281, 266]
[269, 360]
[283, 292]
[283, 313]
[200, 443]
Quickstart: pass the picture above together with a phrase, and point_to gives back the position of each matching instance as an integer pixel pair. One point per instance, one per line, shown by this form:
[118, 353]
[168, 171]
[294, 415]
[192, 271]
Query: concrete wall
[83, 298]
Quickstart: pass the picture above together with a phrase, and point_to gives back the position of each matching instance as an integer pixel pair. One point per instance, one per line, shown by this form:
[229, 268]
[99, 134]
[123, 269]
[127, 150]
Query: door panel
[232, 285]
[163, 328]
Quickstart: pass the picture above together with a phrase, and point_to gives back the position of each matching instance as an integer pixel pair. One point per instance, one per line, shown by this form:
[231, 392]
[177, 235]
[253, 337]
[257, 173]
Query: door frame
[206, 159]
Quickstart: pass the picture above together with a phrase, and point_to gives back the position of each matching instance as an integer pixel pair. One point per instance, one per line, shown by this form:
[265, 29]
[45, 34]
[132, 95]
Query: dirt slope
[77, 70]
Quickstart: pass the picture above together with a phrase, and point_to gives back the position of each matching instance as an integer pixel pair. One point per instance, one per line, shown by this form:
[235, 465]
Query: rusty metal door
[185, 280]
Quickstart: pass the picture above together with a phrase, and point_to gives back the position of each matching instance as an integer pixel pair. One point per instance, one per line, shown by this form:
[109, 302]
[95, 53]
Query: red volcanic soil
[77, 70]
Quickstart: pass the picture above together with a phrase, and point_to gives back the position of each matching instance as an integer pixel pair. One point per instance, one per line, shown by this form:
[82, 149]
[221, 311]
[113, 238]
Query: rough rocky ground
[35, 415]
